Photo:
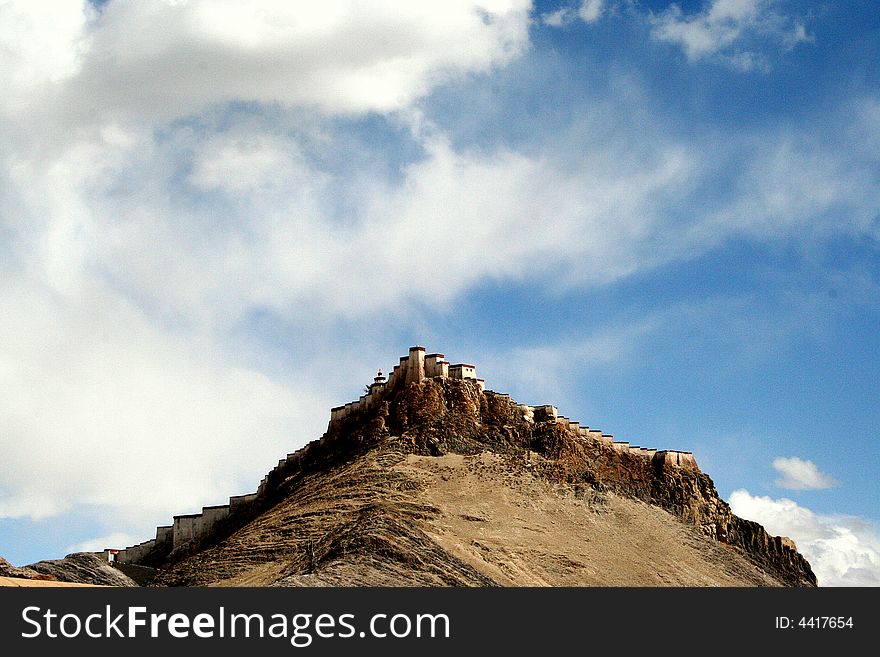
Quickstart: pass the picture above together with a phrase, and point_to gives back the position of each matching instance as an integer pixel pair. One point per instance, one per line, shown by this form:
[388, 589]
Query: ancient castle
[412, 369]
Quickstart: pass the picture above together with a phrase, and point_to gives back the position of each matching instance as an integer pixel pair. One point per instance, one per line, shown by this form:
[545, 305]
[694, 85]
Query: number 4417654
[815, 622]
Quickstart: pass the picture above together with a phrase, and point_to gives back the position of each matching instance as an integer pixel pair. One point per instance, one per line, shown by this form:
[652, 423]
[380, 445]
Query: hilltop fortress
[413, 369]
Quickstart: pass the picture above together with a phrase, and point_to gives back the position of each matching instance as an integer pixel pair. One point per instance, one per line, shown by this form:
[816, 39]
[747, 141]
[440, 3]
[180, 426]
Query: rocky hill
[76, 568]
[431, 480]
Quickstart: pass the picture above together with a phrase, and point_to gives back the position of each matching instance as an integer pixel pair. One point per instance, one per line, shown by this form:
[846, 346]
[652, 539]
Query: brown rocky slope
[441, 483]
[76, 568]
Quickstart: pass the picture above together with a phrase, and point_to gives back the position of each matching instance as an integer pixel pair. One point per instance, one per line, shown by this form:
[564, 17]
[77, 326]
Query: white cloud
[591, 10]
[249, 162]
[842, 550]
[42, 42]
[729, 30]
[559, 18]
[795, 182]
[278, 212]
[161, 59]
[800, 474]
[105, 408]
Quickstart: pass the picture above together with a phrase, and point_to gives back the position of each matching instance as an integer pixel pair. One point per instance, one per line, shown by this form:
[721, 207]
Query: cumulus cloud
[139, 234]
[842, 550]
[589, 11]
[800, 474]
[164, 59]
[734, 31]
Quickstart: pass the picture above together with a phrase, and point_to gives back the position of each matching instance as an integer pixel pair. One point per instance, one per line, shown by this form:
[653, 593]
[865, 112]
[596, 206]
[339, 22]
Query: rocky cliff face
[441, 416]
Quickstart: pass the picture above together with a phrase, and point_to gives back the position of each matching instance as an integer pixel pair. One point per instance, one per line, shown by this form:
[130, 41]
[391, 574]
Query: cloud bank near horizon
[843, 550]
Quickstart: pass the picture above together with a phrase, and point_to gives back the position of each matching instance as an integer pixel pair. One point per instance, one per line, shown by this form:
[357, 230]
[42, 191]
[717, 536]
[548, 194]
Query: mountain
[429, 479]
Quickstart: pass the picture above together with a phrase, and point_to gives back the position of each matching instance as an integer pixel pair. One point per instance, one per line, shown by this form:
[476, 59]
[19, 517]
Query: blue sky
[218, 219]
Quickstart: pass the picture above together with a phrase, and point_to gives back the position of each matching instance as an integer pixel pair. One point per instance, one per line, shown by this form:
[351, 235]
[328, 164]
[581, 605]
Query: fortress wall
[137, 552]
[143, 549]
[184, 528]
[598, 435]
[395, 373]
[193, 525]
[545, 413]
[164, 535]
[241, 501]
[680, 459]
[211, 515]
[621, 446]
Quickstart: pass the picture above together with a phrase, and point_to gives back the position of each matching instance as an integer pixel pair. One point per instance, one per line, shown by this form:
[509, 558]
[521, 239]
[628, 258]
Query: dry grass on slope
[392, 519]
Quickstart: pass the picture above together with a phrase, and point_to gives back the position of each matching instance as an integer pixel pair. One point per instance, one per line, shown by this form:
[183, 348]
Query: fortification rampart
[548, 413]
[412, 369]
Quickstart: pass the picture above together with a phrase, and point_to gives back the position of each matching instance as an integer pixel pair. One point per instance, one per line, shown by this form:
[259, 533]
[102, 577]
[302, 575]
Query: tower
[415, 366]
